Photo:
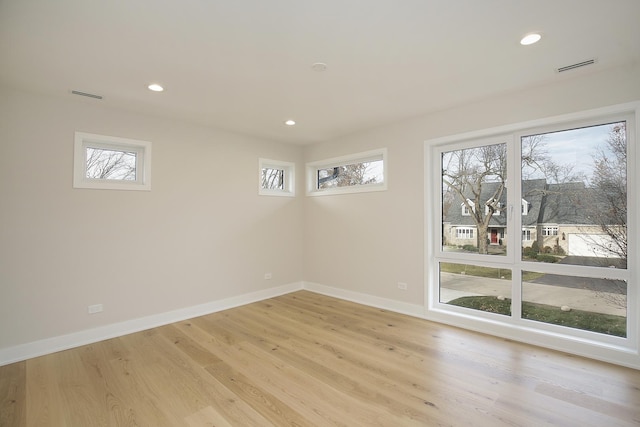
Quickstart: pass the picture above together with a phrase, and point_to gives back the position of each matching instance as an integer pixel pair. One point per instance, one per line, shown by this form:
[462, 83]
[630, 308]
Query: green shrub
[557, 250]
[546, 258]
[470, 248]
[535, 248]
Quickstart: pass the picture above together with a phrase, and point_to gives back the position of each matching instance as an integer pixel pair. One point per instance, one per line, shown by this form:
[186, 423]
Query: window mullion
[514, 221]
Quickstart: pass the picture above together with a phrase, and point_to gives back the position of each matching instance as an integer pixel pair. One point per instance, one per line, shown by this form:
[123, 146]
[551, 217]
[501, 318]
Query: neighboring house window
[108, 162]
[465, 208]
[495, 212]
[464, 233]
[526, 235]
[525, 207]
[276, 178]
[355, 173]
[550, 230]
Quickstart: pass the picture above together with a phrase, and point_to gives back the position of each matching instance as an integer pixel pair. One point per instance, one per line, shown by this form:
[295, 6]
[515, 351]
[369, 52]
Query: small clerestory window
[113, 163]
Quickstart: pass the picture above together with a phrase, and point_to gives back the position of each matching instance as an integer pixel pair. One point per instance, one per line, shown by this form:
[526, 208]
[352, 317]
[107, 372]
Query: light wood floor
[308, 360]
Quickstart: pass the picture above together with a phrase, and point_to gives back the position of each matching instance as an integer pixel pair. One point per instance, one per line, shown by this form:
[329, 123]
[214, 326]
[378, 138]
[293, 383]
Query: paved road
[588, 283]
[457, 285]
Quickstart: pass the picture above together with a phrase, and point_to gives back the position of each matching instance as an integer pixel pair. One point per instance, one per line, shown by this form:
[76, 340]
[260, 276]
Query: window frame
[289, 178]
[312, 169]
[624, 351]
[83, 141]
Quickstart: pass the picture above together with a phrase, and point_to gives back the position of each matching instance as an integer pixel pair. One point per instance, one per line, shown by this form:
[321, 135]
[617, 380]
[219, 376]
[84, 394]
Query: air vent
[88, 95]
[574, 66]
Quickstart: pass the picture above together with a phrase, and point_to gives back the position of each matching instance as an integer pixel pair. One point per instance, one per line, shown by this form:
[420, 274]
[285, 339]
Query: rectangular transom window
[565, 280]
[349, 174]
[276, 178]
[107, 162]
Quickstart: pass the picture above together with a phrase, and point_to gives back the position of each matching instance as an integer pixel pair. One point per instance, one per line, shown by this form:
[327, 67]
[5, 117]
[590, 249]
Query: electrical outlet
[402, 286]
[97, 308]
[267, 276]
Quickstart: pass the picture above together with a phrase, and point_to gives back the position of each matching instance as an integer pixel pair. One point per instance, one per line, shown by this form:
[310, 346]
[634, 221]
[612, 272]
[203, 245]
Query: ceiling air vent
[577, 65]
[89, 95]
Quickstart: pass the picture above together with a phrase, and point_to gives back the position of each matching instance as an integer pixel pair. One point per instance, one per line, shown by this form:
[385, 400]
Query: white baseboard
[415, 310]
[51, 345]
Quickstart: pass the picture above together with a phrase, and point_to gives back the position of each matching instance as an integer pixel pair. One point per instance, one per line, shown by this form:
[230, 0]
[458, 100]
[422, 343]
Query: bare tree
[111, 164]
[347, 175]
[467, 172]
[272, 179]
[609, 185]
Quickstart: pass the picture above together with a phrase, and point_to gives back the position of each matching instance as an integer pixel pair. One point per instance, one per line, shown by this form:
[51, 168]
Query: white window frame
[367, 156]
[549, 230]
[623, 351]
[289, 182]
[526, 232]
[84, 140]
[524, 208]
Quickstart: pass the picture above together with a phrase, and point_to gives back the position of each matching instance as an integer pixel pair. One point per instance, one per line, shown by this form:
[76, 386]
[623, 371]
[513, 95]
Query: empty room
[319, 213]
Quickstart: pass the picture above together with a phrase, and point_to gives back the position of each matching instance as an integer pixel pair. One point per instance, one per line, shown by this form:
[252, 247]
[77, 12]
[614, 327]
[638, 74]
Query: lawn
[494, 273]
[585, 320]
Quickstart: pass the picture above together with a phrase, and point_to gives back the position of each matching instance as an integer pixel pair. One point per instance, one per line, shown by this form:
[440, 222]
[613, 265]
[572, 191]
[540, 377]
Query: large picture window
[566, 275]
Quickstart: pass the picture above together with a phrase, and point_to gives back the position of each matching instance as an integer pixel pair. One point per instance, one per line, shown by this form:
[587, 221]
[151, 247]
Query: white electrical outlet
[97, 308]
[402, 286]
[267, 276]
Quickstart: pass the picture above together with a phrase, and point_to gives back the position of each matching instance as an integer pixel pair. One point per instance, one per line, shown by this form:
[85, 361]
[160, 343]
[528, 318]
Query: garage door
[594, 245]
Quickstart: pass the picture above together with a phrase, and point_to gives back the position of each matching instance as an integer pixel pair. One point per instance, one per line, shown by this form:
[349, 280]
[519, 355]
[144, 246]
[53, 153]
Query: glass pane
[574, 196]
[111, 164]
[591, 304]
[480, 288]
[272, 179]
[474, 197]
[349, 175]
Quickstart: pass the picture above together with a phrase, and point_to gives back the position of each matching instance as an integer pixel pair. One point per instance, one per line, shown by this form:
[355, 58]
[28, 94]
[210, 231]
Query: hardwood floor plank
[207, 417]
[311, 360]
[13, 395]
[322, 403]
[44, 407]
[387, 372]
[110, 374]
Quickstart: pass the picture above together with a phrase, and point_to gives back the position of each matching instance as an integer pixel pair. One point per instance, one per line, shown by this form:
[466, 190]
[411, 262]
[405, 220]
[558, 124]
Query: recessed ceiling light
[155, 87]
[319, 67]
[290, 122]
[530, 39]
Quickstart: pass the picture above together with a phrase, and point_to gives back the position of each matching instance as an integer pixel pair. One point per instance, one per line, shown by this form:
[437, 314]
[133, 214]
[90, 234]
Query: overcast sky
[577, 147]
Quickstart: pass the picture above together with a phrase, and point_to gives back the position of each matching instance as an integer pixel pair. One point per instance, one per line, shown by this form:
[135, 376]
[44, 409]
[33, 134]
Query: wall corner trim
[409, 309]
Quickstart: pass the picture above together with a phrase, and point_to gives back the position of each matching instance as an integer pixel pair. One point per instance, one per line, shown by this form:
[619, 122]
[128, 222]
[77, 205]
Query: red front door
[494, 236]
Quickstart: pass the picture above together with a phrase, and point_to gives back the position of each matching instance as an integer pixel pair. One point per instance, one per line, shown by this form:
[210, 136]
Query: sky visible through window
[574, 150]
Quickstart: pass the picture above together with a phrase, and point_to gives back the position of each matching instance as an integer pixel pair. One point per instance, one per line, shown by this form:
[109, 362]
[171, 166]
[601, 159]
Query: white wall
[365, 243]
[202, 234]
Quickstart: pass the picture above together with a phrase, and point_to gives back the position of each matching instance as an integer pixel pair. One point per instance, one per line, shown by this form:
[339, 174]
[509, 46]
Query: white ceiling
[245, 65]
